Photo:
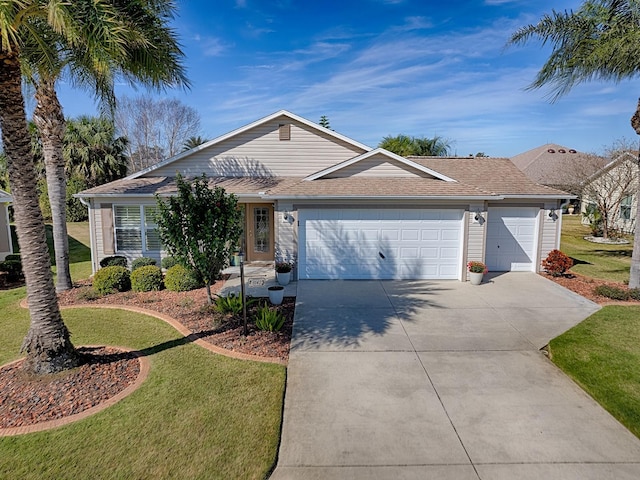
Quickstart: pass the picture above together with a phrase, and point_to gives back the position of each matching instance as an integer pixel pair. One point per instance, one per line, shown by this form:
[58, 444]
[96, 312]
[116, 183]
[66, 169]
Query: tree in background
[406, 146]
[200, 226]
[193, 142]
[599, 41]
[324, 122]
[156, 128]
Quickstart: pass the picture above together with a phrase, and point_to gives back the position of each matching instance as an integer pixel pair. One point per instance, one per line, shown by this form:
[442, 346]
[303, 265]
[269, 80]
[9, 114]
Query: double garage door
[380, 243]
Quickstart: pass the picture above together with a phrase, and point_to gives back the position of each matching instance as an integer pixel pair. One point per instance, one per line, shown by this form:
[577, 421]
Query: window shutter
[108, 238]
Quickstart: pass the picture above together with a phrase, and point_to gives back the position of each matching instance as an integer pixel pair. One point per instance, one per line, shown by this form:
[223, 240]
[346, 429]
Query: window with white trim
[625, 207]
[135, 226]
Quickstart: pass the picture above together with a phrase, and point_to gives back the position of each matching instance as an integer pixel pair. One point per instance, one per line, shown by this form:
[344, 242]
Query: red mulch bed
[27, 400]
[586, 286]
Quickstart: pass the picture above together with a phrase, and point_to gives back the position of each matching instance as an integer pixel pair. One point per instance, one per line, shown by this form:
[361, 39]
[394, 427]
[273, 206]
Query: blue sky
[384, 67]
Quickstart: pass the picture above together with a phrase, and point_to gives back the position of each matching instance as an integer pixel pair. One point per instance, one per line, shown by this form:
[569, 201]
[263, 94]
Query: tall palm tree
[406, 146]
[599, 41]
[50, 30]
[93, 152]
[151, 56]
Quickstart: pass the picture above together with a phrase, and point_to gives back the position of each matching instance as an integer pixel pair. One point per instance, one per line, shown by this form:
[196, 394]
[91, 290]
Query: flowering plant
[284, 267]
[477, 267]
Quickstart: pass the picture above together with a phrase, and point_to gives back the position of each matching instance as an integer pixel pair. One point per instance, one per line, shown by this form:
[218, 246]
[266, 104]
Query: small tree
[200, 226]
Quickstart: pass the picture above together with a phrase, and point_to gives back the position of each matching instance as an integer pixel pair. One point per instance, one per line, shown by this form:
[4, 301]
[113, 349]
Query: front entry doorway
[259, 232]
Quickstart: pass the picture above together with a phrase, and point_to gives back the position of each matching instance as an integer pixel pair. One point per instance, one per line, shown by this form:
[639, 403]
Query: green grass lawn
[602, 354]
[606, 262]
[198, 415]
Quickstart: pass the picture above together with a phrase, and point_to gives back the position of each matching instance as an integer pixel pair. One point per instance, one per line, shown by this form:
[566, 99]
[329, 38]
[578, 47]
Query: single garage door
[512, 239]
[379, 243]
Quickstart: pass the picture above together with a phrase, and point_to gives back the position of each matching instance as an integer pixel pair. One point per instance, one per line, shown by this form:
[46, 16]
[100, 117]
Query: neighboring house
[343, 210]
[558, 167]
[613, 191]
[6, 246]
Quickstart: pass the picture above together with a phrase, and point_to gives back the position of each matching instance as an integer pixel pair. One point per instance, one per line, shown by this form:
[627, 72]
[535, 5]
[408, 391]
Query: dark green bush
[112, 279]
[634, 293]
[168, 262]
[114, 261]
[13, 269]
[181, 279]
[142, 262]
[615, 293]
[13, 256]
[146, 278]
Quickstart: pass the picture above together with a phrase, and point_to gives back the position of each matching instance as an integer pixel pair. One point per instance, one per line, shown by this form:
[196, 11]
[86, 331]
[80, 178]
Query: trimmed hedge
[112, 279]
[146, 278]
[142, 262]
[168, 262]
[13, 269]
[181, 279]
[114, 261]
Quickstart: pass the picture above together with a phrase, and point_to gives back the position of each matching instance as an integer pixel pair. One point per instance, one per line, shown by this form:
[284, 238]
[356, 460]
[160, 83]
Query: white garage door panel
[511, 238]
[380, 244]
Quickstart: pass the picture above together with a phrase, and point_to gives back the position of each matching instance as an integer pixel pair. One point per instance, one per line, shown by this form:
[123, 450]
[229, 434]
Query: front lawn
[602, 355]
[595, 260]
[198, 415]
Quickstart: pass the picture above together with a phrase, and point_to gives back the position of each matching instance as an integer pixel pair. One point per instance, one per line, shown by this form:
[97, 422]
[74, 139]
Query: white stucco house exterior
[6, 245]
[341, 209]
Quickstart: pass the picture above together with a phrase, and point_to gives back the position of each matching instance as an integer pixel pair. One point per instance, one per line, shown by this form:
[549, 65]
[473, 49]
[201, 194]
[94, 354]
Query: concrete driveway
[442, 380]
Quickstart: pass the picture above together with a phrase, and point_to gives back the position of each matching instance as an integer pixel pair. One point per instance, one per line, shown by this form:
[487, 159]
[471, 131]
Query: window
[625, 207]
[135, 226]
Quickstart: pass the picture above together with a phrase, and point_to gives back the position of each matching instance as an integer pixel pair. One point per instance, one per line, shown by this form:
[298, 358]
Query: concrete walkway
[442, 380]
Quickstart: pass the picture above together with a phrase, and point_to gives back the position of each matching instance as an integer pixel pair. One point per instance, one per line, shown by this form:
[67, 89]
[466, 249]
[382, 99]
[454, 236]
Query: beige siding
[260, 152]
[476, 233]
[285, 233]
[377, 166]
[550, 232]
[5, 233]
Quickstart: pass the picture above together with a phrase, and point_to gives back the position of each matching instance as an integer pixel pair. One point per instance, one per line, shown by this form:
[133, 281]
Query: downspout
[91, 242]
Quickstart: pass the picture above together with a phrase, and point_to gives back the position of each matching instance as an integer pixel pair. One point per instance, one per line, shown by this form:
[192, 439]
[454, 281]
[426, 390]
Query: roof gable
[378, 163]
[239, 135]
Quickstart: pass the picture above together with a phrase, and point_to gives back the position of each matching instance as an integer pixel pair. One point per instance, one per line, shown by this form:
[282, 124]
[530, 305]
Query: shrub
[557, 263]
[13, 269]
[284, 267]
[142, 262]
[168, 262]
[634, 293]
[181, 279]
[269, 319]
[13, 256]
[615, 293]
[110, 279]
[115, 261]
[146, 278]
[232, 303]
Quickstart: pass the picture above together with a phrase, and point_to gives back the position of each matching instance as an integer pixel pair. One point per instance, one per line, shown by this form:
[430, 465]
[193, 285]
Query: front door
[259, 230]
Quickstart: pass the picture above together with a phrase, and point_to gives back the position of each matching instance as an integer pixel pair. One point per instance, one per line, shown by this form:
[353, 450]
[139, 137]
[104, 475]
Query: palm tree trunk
[634, 274]
[49, 118]
[47, 344]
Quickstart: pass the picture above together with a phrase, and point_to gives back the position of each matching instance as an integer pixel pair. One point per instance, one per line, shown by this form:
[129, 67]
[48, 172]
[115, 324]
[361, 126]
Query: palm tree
[53, 30]
[151, 55]
[599, 41]
[406, 146]
[93, 152]
[193, 142]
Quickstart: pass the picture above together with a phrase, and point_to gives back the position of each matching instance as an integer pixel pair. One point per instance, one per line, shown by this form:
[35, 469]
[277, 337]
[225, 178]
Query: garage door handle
[381, 255]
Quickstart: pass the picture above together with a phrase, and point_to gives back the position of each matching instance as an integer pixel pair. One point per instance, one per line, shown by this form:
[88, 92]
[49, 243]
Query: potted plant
[276, 294]
[283, 272]
[476, 271]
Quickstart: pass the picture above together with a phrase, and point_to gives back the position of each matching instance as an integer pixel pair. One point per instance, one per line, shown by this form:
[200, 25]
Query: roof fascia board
[243, 129]
[387, 153]
[383, 197]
